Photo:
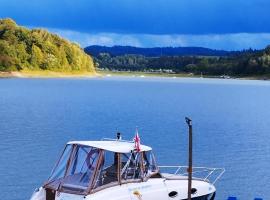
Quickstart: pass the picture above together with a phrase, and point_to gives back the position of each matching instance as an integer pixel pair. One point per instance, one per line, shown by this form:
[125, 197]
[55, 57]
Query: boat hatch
[84, 169]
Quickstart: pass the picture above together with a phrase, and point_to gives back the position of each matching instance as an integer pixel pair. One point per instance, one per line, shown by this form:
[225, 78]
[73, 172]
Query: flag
[137, 141]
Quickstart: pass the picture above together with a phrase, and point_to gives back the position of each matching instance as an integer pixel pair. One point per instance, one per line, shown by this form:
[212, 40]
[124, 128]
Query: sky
[217, 24]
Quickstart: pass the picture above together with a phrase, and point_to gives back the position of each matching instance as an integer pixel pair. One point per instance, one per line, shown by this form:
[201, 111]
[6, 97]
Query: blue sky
[220, 24]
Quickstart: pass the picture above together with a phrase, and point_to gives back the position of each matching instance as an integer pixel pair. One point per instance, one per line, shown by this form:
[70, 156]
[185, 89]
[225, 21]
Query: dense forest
[37, 49]
[244, 63]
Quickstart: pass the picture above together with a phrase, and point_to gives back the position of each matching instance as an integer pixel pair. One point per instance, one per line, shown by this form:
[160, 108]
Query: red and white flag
[137, 141]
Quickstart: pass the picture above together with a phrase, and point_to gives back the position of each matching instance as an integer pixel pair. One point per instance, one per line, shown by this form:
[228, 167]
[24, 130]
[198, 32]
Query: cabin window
[82, 167]
[108, 170]
[149, 163]
[131, 166]
[60, 168]
[78, 170]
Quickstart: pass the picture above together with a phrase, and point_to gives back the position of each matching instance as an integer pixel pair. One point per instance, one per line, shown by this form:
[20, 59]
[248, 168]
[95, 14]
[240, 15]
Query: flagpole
[189, 123]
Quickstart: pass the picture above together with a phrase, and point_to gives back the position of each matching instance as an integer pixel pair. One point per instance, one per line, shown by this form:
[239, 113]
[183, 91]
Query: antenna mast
[189, 123]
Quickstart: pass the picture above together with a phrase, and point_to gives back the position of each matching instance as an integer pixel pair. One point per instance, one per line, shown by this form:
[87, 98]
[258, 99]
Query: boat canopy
[89, 166]
[114, 146]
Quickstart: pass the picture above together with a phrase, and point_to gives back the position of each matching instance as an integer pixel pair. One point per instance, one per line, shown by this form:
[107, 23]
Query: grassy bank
[46, 74]
[136, 73]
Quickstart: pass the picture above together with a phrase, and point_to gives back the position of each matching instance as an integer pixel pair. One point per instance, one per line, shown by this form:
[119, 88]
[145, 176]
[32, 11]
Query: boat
[116, 169]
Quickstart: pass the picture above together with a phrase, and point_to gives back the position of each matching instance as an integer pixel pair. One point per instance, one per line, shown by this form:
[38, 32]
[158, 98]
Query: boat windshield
[75, 169]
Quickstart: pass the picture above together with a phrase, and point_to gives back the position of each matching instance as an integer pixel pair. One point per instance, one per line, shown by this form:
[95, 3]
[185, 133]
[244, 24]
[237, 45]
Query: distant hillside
[95, 50]
[37, 49]
[244, 63]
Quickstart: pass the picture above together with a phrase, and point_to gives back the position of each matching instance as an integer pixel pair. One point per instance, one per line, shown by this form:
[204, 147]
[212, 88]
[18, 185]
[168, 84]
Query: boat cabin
[86, 167]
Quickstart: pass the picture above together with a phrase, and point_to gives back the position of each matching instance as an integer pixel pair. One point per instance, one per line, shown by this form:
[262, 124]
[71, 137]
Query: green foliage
[246, 63]
[37, 49]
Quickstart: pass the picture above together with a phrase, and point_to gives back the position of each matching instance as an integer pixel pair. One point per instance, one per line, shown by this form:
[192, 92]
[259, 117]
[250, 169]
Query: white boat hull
[155, 188]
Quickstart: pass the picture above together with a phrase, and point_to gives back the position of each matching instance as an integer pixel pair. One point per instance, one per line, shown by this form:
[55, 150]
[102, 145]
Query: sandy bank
[47, 74]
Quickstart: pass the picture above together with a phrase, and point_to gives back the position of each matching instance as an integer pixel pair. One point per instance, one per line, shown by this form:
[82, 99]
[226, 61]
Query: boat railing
[211, 175]
[118, 140]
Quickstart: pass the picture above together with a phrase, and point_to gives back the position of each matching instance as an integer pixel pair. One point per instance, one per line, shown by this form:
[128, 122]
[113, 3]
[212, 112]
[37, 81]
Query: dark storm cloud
[143, 16]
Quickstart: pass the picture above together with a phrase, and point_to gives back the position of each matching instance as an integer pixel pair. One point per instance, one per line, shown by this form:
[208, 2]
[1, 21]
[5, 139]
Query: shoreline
[183, 75]
[99, 73]
[47, 74]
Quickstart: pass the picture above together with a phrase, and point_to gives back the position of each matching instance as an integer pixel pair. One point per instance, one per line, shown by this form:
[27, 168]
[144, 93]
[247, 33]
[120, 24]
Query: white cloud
[234, 41]
[106, 39]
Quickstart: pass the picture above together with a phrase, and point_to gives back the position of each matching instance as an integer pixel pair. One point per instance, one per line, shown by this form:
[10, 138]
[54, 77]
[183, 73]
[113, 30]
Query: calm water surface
[231, 126]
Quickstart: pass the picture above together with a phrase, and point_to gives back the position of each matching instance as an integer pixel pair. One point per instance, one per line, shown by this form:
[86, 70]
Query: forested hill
[37, 49]
[244, 63]
[95, 50]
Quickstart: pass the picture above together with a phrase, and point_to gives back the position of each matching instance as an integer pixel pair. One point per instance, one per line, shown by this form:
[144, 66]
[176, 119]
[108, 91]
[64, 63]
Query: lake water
[231, 126]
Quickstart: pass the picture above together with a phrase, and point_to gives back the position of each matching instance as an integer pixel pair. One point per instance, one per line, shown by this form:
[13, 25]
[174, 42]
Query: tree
[37, 49]
[22, 56]
[37, 58]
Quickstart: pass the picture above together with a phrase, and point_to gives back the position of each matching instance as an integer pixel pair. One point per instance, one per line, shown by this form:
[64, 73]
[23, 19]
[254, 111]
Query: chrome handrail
[196, 170]
[117, 140]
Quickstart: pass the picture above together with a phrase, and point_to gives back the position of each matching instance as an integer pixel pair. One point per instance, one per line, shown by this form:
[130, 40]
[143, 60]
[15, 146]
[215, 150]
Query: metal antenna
[118, 135]
[189, 123]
